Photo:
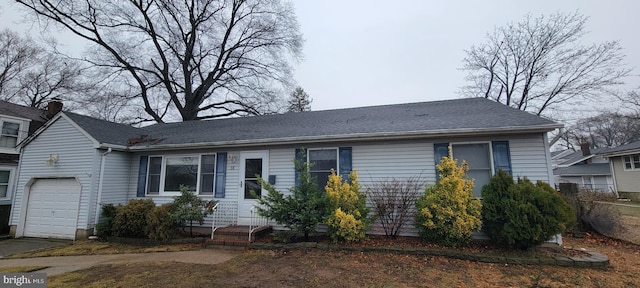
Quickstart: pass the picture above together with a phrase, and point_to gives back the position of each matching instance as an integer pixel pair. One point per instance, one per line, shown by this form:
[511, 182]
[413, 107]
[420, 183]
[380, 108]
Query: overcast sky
[370, 52]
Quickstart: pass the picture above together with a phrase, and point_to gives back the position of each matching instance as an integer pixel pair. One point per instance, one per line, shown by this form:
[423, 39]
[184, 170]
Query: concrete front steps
[236, 236]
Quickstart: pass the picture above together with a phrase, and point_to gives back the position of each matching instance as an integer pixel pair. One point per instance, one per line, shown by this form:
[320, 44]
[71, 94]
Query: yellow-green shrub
[348, 214]
[447, 212]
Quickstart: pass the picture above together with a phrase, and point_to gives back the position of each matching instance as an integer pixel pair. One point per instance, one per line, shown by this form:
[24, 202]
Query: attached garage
[52, 208]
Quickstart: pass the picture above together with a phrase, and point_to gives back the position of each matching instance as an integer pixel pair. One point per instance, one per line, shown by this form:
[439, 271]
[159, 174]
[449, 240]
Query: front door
[252, 165]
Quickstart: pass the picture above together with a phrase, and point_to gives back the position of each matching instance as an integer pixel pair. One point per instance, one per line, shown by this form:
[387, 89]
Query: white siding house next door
[52, 209]
[251, 164]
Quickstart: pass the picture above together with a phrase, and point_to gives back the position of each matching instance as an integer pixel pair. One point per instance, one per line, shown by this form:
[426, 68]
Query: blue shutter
[439, 150]
[501, 156]
[142, 176]
[344, 154]
[300, 157]
[221, 172]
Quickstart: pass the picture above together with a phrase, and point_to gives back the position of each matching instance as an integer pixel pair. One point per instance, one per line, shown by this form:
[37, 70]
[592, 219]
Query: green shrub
[160, 225]
[283, 236]
[348, 213]
[302, 210]
[103, 229]
[131, 219]
[447, 212]
[522, 215]
[190, 208]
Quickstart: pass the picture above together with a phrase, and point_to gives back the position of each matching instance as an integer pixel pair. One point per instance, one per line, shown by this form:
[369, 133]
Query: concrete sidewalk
[64, 264]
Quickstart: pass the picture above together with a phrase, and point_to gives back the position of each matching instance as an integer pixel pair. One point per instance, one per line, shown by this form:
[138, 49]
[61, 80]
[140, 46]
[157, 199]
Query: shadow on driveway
[19, 245]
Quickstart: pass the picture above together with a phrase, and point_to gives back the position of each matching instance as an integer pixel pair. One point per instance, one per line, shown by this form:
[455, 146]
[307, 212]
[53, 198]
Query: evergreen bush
[522, 215]
[104, 228]
[302, 210]
[160, 225]
[131, 219]
[189, 208]
[448, 214]
[348, 213]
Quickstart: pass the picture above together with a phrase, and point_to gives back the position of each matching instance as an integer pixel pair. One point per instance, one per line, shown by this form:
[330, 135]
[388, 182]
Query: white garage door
[52, 211]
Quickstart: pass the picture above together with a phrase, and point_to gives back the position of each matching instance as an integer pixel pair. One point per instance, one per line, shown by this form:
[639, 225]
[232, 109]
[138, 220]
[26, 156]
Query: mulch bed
[474, 247]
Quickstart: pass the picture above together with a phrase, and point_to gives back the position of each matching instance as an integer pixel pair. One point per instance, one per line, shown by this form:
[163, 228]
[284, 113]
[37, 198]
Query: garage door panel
[52, 208]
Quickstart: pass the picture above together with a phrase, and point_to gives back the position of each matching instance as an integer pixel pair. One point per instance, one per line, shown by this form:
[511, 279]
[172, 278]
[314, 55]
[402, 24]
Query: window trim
[18, 136]
[336, 149]
[163, 174]
[631, 162]
[489, 145]
[9, 183]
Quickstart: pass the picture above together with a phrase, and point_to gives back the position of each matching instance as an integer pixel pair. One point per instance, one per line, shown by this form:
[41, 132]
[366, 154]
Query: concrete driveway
[19, 245]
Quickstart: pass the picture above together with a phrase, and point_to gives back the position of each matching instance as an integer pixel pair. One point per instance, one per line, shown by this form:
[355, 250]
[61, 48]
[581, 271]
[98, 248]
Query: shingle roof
[577, 156]
[461, 115]
[439, 116]
[584, 169]
[105, 131]
[15, 110]
[631, 147]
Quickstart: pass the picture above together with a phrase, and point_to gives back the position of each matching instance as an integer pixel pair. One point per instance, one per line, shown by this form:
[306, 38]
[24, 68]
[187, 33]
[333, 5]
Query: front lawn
[88, 247]
[355, 269]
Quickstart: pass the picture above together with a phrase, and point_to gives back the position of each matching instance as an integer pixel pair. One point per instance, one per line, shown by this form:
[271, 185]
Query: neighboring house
[625, 167]
[585, 168]
[17, 122]
[74, 163]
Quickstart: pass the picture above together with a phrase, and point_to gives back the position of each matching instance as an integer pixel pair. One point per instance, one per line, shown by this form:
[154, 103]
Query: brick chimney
[586, 151]
[53, 107]
[584, 147]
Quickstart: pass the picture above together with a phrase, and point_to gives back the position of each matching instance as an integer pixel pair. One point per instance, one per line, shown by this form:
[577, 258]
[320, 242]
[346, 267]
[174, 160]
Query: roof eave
[620, 153]
[356, 137]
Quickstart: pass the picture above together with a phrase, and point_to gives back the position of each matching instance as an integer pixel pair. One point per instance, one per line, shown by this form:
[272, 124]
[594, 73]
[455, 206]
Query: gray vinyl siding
[116, 178]
[528, 158]
[77, 158]
[281, 165]
[374, 161]
[626, 180]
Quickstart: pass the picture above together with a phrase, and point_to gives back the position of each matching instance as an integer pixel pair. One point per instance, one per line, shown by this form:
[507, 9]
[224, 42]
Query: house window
[4, 183]
[207, 174]
[320, 164]
[478, 157]
[587, 182]
[166, 174]
[631, 162]
[9, 135]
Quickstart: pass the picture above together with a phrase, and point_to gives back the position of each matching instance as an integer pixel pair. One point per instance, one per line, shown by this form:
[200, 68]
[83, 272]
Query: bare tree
[299, 101]
[393, 202]
[608, 129]
[539, 63]
[632, 102]
[15, 57]
[200, 59]
[31, 75]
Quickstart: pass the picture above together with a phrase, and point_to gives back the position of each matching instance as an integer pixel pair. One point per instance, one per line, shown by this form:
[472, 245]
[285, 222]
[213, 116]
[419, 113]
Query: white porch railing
[256, 221]
[224, 214]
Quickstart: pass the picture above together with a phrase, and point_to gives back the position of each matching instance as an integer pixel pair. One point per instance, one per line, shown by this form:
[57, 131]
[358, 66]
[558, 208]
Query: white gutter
[100, 182]
[354, 137]
[620, 153]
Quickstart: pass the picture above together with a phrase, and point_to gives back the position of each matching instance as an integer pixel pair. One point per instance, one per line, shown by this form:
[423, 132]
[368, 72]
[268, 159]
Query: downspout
[613, 175]
[100, 182]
